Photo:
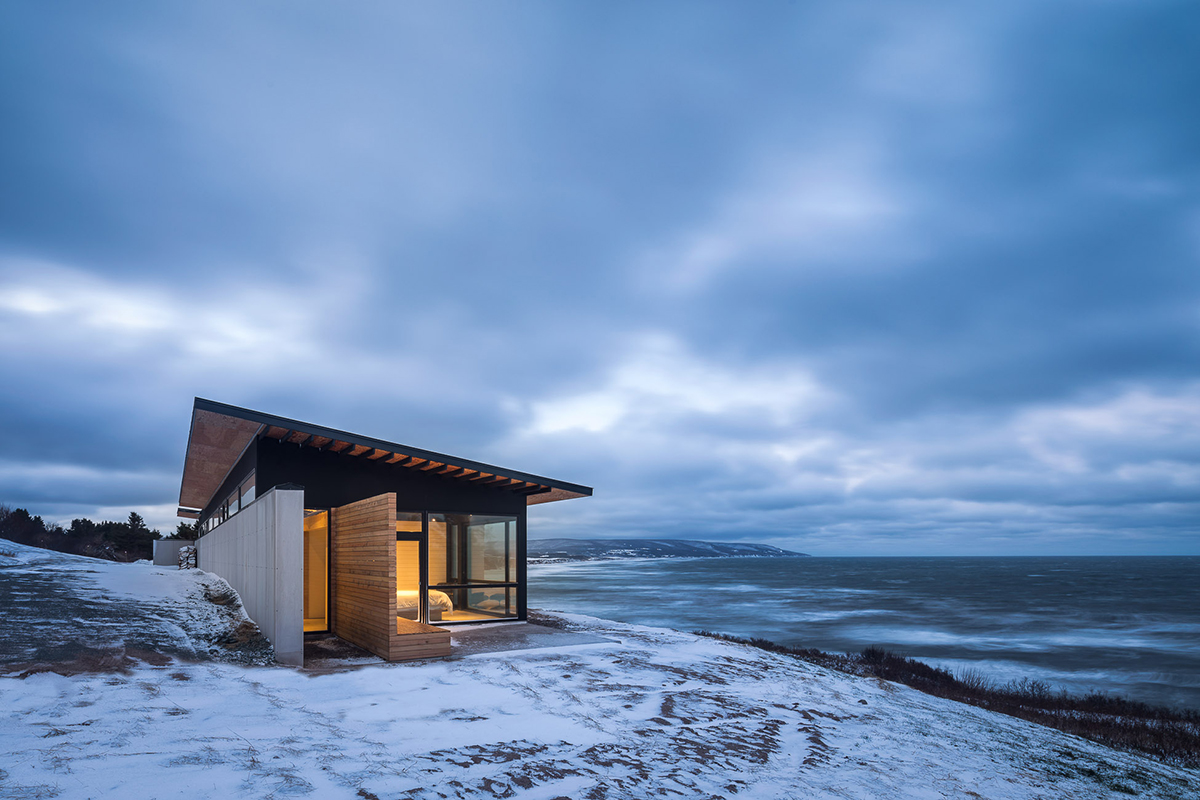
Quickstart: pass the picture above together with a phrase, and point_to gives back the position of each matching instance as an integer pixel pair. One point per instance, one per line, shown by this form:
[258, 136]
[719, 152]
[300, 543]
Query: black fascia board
[379, 444]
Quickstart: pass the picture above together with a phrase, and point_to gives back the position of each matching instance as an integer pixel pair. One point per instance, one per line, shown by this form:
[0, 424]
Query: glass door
[412, 576]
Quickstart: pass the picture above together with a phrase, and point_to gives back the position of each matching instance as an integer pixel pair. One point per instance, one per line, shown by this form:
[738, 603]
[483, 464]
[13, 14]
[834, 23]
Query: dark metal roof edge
[379, 444]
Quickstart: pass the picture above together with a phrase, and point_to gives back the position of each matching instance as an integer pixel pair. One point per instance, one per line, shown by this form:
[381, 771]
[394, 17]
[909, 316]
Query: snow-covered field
[655, 713]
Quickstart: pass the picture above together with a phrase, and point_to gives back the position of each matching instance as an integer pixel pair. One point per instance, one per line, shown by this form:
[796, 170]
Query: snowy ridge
[555, 550]
[654, 713]
[67, 608]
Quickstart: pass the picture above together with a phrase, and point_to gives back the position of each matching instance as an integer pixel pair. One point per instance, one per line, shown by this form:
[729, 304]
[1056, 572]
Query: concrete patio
[328, 653]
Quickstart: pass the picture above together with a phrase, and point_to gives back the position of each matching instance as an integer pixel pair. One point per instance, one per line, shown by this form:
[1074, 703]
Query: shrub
[1169, 734]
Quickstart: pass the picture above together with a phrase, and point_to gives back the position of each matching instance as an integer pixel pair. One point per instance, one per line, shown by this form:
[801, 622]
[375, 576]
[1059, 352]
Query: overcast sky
[850, 278]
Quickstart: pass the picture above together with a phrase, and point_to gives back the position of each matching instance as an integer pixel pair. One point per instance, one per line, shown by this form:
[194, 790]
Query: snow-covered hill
[650, 713]
[549, 550]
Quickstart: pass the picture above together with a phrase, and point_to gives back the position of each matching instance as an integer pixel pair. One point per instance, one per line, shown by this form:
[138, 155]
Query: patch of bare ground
[82, 660]
[59, 617]
[327, 654]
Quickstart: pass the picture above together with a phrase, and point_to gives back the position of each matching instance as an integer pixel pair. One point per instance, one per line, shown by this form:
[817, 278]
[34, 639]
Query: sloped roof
[220, 433]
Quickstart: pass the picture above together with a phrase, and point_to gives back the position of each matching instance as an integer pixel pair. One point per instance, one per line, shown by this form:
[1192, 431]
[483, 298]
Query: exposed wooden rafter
[220, 434]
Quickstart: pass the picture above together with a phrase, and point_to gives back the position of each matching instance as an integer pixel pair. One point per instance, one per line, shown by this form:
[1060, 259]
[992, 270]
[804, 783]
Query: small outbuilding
[378, 543]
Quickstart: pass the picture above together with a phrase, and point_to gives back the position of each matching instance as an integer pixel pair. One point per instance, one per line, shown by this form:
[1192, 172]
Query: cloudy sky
[846, 277]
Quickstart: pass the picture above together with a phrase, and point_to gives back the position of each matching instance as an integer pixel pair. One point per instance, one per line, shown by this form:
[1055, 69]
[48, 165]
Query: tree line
[116, 541]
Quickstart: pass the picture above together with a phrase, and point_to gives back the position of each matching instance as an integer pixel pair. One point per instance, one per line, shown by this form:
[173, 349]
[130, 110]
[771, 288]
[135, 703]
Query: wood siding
[412, 640]
[363, 573]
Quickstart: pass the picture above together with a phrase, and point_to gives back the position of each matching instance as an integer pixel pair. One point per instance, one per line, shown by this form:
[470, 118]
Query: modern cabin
[381, 544]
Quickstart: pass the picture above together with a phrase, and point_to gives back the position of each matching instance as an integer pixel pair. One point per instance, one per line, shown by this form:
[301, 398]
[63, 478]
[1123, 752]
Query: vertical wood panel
[363, 573]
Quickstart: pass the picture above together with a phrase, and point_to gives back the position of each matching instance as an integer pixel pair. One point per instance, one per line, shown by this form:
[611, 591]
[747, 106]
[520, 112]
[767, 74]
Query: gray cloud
[849, 278]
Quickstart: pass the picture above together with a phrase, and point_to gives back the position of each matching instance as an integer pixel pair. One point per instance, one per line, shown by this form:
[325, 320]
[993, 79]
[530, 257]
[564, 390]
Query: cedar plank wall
[363, 573]
[414, 640]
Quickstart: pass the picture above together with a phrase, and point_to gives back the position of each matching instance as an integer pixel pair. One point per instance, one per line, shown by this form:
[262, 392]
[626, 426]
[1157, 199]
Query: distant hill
[550, 550]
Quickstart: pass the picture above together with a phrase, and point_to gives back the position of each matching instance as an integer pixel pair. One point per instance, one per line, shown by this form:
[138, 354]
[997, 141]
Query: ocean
[1120, 625]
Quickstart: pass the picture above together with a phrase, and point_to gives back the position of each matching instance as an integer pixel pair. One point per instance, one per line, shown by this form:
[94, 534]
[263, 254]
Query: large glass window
[247, 491]
[478, 559]
[471, 565]
[237, 500]
[409, 596]
[408, 579]
[316, 570]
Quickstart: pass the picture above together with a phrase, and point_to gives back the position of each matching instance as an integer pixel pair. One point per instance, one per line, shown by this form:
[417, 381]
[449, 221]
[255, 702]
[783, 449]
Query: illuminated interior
[471, 558]
[472, 567]
[316, 570]
[408, 580]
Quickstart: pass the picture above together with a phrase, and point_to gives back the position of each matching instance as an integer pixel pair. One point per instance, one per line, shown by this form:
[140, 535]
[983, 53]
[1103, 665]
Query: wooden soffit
[215, 444]
[221, 433]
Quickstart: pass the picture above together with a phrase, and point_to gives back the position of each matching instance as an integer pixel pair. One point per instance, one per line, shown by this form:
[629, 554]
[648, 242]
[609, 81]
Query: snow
[653, 713]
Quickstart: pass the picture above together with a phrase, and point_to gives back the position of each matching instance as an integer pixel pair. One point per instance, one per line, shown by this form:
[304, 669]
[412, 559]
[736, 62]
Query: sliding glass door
[411, 576]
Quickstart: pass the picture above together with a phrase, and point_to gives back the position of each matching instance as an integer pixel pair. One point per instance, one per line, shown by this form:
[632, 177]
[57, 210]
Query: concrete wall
[166, 551]
[260, 552]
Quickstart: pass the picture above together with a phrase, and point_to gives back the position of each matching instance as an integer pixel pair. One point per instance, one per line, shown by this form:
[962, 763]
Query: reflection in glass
[471, 558]
[408, 522]
[247, 491]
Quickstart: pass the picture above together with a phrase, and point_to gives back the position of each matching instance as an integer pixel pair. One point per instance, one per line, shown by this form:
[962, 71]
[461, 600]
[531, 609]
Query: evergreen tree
[131, 539]
[116, 541]
[186, 530]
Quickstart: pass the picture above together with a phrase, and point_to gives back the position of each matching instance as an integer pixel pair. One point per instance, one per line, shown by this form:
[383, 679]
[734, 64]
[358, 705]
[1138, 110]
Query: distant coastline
[559, 551]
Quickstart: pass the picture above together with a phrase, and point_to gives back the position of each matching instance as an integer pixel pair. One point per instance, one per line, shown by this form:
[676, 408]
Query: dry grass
[1168, 734]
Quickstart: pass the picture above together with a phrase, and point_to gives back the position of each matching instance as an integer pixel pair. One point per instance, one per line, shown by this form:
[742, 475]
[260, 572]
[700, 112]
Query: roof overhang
[221, 433]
